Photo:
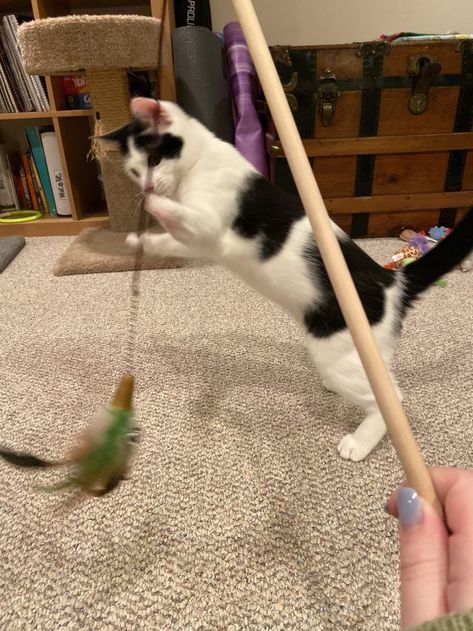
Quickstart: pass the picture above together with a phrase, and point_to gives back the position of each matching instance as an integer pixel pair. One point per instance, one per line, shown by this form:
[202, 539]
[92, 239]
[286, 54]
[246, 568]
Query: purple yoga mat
[249, 134]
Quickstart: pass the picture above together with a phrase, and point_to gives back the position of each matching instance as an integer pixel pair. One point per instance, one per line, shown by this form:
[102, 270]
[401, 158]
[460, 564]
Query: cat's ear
[116, 135]
[119, 136]
[150, 111]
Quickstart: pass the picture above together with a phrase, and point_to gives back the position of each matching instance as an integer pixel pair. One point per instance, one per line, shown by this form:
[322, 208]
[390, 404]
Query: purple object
[249, 134]
[420, 242]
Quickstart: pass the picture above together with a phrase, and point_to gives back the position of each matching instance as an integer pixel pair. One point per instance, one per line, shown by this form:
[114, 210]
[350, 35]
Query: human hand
[436, 557]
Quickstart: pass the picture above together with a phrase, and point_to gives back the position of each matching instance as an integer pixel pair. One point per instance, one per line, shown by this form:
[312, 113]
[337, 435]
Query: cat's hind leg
[342, 372]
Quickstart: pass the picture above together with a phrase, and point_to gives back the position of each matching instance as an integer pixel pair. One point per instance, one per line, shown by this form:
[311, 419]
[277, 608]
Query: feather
[26, 460]
[65, 484]
[100, 458]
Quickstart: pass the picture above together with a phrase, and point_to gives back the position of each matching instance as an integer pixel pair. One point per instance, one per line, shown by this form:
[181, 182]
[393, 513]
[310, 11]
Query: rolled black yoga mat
[202, 88]
[193, 13]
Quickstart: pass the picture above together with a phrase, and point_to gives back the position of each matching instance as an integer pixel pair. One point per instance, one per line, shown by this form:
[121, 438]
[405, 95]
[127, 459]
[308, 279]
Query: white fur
[195, 201]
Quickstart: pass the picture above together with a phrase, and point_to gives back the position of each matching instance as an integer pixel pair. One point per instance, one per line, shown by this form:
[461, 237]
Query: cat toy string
[135, 285]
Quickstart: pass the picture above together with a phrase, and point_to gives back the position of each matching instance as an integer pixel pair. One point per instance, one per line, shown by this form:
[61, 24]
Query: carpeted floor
[239, 513]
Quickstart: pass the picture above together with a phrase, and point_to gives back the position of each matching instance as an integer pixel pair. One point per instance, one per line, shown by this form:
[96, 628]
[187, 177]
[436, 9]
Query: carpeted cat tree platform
[104, 47]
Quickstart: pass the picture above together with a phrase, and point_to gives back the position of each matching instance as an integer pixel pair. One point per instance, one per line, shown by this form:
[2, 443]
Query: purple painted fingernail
[408, 506]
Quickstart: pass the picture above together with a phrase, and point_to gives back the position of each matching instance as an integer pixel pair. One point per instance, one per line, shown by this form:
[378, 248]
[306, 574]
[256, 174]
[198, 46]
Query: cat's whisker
[140, 194]
[139, 203]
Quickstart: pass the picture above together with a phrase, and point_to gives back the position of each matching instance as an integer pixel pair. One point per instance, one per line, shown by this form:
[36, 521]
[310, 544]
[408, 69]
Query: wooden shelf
[73, 128]
[6, 116]
[55, 226]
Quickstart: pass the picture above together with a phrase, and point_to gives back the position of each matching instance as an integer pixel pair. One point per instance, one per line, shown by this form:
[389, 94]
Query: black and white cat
[212, 203]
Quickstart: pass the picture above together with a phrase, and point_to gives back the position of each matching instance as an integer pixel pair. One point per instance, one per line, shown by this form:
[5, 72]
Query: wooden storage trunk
[387, 127]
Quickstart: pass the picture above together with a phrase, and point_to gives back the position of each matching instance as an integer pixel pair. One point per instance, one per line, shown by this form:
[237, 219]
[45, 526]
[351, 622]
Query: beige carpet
[239, 514]
[97, 250]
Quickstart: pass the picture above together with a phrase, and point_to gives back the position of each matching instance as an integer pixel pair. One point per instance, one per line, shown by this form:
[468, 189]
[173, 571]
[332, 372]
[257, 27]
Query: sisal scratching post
[110, 96]
[104, 47]
[396, 421]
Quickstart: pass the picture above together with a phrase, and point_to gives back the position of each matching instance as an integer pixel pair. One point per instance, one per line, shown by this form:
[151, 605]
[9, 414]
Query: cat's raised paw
[132, 240]
[351, 448]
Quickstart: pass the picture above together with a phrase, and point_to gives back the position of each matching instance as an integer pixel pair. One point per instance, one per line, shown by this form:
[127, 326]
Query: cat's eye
[134, 172]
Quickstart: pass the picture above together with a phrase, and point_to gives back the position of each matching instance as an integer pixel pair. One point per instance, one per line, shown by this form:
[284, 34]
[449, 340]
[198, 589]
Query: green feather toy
[101, 457]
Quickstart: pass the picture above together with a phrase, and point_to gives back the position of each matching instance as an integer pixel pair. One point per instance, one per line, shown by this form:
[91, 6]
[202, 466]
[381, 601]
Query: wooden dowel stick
[416, 472]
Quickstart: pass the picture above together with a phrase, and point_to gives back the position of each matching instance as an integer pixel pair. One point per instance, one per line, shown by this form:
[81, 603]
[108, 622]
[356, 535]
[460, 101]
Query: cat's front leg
[178, 220]
[158, 244]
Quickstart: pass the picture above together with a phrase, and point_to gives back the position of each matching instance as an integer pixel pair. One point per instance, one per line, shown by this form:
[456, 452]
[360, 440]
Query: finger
[444, 480]
[459, 512]
[455, 491]
[424, 560]
[454, 488]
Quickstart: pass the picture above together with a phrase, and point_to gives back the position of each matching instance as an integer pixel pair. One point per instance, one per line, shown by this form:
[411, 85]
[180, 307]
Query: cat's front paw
[148, 241]
[133, 240]
[163, 209]
[328, 386]
[351, 448]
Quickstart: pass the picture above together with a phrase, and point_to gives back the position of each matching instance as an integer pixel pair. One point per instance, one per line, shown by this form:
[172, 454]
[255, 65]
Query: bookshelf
[73, 127]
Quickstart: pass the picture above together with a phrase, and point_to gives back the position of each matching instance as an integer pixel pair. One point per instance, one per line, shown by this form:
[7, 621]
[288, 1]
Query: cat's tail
[451, 251]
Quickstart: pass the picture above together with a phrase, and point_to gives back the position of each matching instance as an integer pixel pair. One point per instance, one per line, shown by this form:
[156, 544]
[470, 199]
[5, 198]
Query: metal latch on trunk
[327, 96]
[425, 69]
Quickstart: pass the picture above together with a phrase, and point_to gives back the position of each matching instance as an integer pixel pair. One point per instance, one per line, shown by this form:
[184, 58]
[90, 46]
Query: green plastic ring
[19, 216]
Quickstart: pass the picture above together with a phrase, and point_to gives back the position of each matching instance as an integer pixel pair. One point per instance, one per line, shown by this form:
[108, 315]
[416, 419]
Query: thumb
[423, 555]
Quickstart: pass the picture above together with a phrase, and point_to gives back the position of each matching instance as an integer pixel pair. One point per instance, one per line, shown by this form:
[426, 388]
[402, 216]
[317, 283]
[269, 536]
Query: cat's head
[154, 140]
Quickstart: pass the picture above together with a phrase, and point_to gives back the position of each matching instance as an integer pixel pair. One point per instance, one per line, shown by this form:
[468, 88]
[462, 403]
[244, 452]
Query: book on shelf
[19, 179]
[43, 202]
[38, 190]
[35, 179]
[12, 181]
[76, 92]
[37, 151]
[29, 179]
[19, 91]
[8, 197]
[11, 87]
[56, 173]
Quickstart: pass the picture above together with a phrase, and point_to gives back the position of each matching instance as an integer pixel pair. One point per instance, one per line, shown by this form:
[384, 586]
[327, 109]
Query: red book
[24, 184]
[76, 92]
[29, 179]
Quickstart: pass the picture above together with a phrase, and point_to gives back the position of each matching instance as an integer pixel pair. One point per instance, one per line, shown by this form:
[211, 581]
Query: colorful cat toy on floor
[101, 457]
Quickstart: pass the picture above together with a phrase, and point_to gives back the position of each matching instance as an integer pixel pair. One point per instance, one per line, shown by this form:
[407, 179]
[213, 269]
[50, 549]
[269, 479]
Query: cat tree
[104, 47]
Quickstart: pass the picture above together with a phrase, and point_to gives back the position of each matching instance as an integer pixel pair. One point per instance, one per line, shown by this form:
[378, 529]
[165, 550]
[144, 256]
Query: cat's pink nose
[149, 188]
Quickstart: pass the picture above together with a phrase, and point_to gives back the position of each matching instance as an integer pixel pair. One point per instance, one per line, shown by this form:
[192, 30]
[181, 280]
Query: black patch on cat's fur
[266, 212]
[157, 147]
[326, 318]
[171, 146]
[122, 134]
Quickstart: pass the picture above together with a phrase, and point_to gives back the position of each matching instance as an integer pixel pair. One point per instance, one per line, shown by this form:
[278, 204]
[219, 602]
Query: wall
[342, 21]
